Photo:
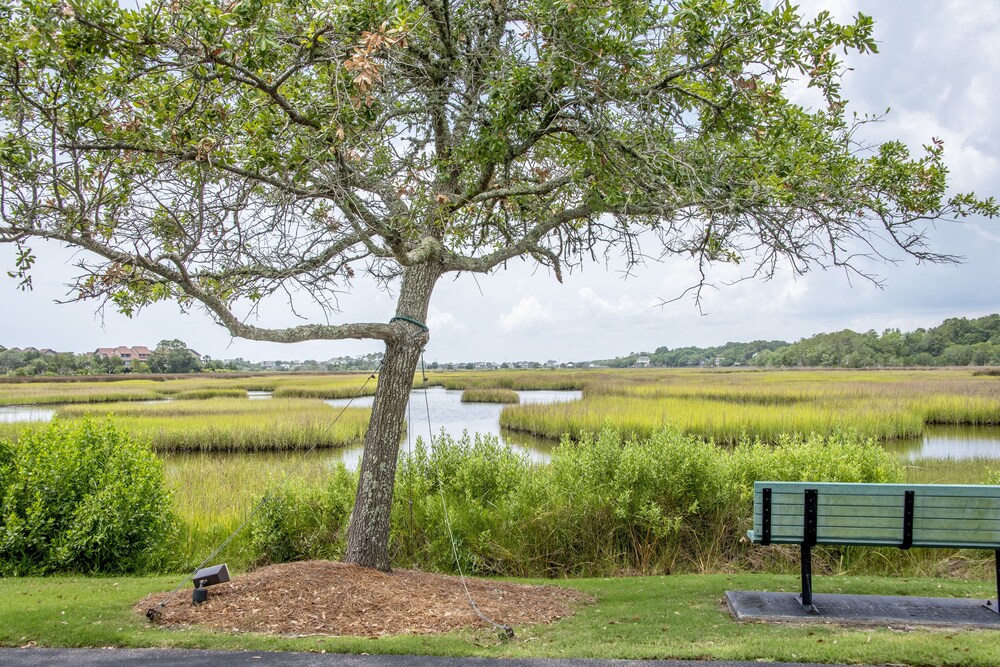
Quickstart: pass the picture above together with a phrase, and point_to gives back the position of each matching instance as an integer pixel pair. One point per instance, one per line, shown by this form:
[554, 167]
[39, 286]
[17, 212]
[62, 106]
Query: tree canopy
[218, 152]
[173, 356]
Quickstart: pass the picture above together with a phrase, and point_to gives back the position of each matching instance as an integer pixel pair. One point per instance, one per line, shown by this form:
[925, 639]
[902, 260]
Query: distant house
[126, 354]
[642, 361]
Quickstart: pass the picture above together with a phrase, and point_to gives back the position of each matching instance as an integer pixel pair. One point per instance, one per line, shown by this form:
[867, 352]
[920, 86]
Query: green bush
[84, 497]
[603, 506]
[624, 506]
[303, 523]
[483, 485]
[815, 458]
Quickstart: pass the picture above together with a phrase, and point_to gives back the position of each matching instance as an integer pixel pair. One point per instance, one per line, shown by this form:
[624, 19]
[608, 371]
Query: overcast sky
[939, 71]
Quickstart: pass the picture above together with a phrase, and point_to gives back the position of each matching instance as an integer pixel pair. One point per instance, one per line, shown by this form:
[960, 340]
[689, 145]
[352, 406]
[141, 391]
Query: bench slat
[887, 519]
[921, 499]
[872, 514]
[852, 488]
[878, 543]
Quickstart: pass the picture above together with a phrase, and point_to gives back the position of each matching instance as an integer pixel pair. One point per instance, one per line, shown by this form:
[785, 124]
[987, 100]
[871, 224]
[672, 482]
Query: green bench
[875, 515]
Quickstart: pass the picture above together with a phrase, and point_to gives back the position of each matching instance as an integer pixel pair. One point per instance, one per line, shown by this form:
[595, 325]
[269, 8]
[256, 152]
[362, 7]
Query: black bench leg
[807, 583]
[989, 603]
[996, 555]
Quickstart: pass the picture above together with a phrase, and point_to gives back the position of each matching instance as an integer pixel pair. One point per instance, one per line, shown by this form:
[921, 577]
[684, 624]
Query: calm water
[448, 413]
[951, 442]
[19, 413]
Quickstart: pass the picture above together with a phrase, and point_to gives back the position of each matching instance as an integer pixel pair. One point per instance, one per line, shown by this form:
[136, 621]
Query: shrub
[483, 485]
[85, 497]
[815, 458]
[301, 522]
[605, 505]
[622, 506]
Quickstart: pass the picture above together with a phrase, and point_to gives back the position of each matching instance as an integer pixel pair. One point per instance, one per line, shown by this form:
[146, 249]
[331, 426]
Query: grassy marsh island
[233, 425]
[508, 396]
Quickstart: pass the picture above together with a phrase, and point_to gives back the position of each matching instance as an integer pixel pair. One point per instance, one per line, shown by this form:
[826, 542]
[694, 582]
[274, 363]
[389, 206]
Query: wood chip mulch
[325, 598]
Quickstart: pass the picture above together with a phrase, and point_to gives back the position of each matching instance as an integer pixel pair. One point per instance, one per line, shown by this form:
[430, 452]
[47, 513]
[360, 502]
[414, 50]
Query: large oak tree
[216, 152]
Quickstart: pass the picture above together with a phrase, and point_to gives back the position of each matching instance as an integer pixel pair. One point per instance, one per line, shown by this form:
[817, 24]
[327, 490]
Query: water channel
[447, 412]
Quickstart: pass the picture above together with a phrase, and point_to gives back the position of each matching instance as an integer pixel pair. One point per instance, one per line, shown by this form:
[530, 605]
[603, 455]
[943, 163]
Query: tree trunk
[368, 532]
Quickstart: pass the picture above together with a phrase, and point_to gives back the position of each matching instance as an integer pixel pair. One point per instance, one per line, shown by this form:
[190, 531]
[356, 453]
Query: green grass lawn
[638, 617]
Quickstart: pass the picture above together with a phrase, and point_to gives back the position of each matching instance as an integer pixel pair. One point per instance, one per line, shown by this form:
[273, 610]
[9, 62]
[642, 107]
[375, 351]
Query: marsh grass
[336, 385]
[534, 380]
[959, 409]
[202, 394]
[323, 386]
[723, 421]
[953, 471]
[723, 405]
[78, 392]
[213, 493]
[508, 396]
[221, 424]
[727, 405]
[334, 391]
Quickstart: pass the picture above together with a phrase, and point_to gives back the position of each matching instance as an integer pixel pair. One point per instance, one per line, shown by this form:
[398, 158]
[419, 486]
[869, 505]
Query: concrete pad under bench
[895, 610]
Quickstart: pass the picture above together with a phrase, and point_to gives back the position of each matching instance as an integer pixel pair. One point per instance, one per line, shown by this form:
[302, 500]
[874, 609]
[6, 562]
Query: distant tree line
[730, 354]
[956, 342]
[170, 356]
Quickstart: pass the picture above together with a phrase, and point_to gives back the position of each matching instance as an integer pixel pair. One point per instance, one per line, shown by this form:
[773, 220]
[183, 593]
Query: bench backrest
[900, 515]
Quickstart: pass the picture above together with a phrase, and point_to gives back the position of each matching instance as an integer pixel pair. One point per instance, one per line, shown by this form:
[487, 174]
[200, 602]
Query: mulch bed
[325, 598]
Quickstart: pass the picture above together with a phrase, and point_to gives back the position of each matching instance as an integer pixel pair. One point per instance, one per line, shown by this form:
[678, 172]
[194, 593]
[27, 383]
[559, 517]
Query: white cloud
[526, 313]
[625, 304]
[439, 320]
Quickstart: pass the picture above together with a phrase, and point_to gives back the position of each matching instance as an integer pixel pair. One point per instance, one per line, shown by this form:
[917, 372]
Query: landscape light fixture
[208, 576]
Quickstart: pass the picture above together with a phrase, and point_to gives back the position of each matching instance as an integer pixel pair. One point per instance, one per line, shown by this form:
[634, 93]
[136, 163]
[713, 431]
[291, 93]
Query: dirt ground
[325, 598]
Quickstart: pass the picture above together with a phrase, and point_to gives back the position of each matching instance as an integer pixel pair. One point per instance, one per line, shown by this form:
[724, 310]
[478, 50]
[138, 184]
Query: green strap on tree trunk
[411, 321]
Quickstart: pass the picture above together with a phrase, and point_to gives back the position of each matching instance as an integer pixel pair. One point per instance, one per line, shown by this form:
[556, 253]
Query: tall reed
[235, 424]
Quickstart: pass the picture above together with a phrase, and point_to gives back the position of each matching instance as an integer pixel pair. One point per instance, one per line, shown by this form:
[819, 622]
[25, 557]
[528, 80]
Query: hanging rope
[503, 630]
[154, 612]
[409, 458]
